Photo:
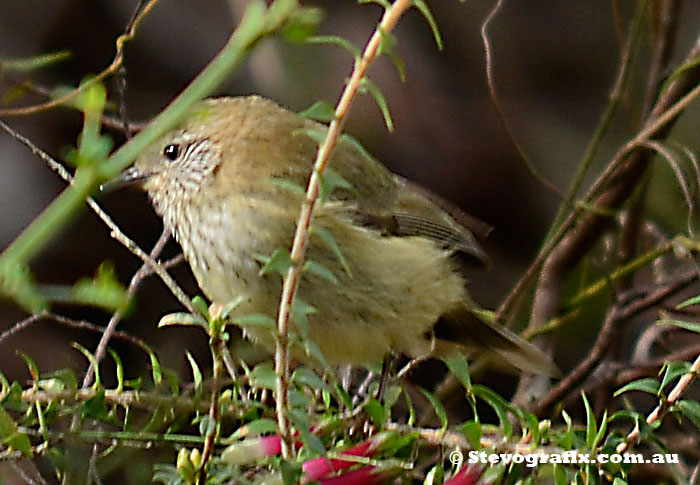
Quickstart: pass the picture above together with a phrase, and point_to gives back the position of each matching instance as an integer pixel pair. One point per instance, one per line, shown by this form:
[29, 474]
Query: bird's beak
[130, 176]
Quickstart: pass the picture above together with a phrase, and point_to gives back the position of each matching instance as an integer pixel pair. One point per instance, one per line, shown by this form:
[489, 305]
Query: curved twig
[500, 112]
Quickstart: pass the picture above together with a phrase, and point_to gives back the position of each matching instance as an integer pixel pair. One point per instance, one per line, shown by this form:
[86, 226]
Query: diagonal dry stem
[115, 231]
[117, 62]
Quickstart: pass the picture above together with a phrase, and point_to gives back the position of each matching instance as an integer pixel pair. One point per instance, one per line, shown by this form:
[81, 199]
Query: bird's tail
[464, 329]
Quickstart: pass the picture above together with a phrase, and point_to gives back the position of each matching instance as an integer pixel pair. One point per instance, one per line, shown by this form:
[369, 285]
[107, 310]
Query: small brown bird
[224, 183]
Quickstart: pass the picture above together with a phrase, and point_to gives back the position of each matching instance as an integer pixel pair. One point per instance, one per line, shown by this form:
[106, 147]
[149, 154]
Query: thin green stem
[257, 22]
[44, 227]
[637, 263]
[628, 58]
[600, 285]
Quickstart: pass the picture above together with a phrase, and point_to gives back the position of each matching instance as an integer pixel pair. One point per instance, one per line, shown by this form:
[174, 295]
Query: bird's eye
[172, 151]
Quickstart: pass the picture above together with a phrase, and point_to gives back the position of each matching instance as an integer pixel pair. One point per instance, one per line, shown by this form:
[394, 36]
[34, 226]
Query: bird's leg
[384, 378]
[345, 372]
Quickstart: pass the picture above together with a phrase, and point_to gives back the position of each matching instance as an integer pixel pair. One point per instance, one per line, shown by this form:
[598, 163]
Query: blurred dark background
[554, 65]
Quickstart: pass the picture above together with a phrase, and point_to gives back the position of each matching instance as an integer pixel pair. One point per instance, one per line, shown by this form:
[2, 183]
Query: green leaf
[329, 180]
[435, 476]
[20, 442]
[93, 361]
[31, 365]
[263, 376]
[13, 398]
[673, 370]
[28, 64]
[423, 7]
[560, 475]
[319, 111]
[256, 320]
[338, 41]
[305, 377]
[279, 262]
[11, 436]
[93, 147]
[437, 407]
[5, 385]
[591, 424]
[135, 384]
[103, 291]
[120, 368]
[299, 399]
[411, 409]
[691, 410]
[326, 397]
[692, 326]
[603, 428]
[93, 98]
[379, 98]
[391, 396]
[230, 306]
[302, 25]
[201, 305]
[686, 303]
[170, 475]
[387, 43]
[155, 368]
[196, 373]
[385, 4]
[633, 416]
[66, 377]
[330, 241]
[387, 46]
[457, 363]
[376, 412]
[472, 431]
[533, 425]
[17, 283]
[392, 444]
[647, 384]
[95, 407]
[497, 403]
[182, 319]
[173, 381]
[291, 472]
[207, 426]
[319, 270]
[287, 185]
[7, 424]
[256, 428]
[314, 351]
[300, 312]
[494, 474]
[315, 134]
[373, 166]
[300, 420]
[343, 395]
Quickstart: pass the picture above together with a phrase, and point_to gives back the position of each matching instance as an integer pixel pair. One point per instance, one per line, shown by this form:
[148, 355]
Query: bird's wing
[391, 204]
[419, 212]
